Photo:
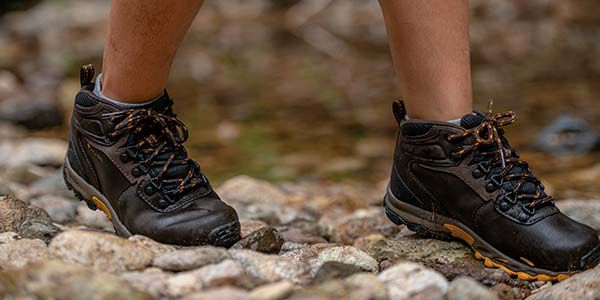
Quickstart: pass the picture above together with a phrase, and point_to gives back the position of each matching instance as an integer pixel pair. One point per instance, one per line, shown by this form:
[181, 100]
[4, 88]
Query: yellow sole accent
[488, 262]
[102, 207]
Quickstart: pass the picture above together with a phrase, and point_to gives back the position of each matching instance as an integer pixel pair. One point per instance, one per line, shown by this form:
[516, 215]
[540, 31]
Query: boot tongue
[471, 120]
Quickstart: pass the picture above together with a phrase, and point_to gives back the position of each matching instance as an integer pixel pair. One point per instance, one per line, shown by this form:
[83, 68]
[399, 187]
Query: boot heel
[419, 229]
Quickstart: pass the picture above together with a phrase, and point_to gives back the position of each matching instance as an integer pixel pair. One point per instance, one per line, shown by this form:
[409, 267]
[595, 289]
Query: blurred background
[301, 89]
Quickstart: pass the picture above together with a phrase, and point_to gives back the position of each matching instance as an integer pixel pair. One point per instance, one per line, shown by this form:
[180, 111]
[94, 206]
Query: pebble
[266, 240]
[102, 251]
[272, 268]
[272, 291]
[154, 246]
[409, 280]
[37, 151]
[188, 259]
[581, 286]
[60, 209]
[465, 288]
[348, 255]
[18, 253]
[227, 272]
[223, 293]
[26, 220]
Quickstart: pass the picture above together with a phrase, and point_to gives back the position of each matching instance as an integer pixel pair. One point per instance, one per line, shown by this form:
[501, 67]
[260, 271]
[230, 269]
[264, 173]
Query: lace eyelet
[162, 203]
[149, 190]
[124, 157]
[477, 173]
[136, 172]
[523, 217]
[504, 206]
[490, 187]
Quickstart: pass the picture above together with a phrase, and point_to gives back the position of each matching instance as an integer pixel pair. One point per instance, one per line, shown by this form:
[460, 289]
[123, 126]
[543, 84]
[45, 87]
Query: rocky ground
[301, 241]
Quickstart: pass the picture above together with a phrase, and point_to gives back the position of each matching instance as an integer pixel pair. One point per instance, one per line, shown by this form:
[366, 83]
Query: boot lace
[500, 162]
[155, 143]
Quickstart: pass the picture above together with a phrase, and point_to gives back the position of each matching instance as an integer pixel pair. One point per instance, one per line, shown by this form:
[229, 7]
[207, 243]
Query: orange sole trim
[488, 262]
[102, 207]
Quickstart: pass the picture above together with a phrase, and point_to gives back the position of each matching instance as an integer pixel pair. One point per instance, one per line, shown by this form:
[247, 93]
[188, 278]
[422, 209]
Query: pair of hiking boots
[448, 181]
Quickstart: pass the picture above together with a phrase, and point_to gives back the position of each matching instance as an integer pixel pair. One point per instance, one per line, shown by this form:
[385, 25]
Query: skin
[143, 37]
[429, 42]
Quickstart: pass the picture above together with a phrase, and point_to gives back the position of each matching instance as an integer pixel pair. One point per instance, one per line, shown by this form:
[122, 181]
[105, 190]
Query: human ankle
[102, 93]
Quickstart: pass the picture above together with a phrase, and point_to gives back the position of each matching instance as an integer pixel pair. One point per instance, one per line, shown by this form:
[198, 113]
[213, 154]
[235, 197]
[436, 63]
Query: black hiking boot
[466, 182]
[130, 163]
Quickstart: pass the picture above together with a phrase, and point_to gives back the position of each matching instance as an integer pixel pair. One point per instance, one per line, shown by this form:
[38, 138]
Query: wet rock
[101, 251]
[152, 281]
[584, 211]
[356, 287]
[334, 270]
[348, 255]
[61, 210]
[273, 291]
[266, 240]
[584, 285]
[568, 134]
[465, 288]
[37, 151]
[188, 259]
[92, 218]
[154, 246]
[223, 293]
[18, 253]
[272, 268]
[413, 281]
[26, 220]
[31, 112]
[452, 259]
[227, 272]
[61, 280]
[249, 226]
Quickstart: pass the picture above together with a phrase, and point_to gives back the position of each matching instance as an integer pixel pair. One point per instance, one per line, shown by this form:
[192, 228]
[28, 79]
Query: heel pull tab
[399, 110]
[86, 75]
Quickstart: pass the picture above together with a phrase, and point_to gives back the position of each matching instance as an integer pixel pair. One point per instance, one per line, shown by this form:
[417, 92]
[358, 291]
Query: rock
[223, 293]
[61, 210]
[188, 259]
[61, 280]
[249, 226]
[296, 235]
[152, 281]
[349, 255]
[361, 223]
[366, 242]
[28, 221]
[452, 259]
[9, 131]
[101, 251]
[227, 272]
[584, 286]
[410, 280]
[272, 268]
[584, 211]
[8, 236]
[33, 112]
[273, 291]
[356, 287]
[92, 218]
[335, 270]
[18, 253]
[267, 240]
[465, 288]
[25, 174]
[568, 134]
[37, 151]
[154, 246]
[53, 184]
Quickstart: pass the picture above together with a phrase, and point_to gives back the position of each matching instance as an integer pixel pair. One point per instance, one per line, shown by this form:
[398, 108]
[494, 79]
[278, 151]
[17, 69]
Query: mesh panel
[85, 99]
[414, 129]
[471, 120]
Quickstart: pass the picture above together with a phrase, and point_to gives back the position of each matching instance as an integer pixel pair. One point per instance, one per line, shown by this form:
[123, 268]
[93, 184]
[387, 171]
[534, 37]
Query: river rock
[227, 272]
[152, 281]
[465, 288]
[356, 287]
[272, 291]
[154, 246]
[60, 210]
[363, 223]
[188, 259]
[266, 240]
[272, 268]
[249, 226]
[584, 211]
[18, 253]
[410, 280]
[37, 151]
[335, 270]
[26, 220]
[92, 218]
[222, 293]
[101, 251]
[62, 280]
[348, 255]
[584, 286]
[32, 112]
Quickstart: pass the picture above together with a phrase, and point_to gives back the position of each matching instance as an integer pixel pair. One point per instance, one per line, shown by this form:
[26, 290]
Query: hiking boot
[466, 182]
[129, 161]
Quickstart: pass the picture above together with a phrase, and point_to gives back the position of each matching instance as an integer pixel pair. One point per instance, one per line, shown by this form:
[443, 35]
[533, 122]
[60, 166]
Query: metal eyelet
[124, 157]
[477, 173]
[136, 172]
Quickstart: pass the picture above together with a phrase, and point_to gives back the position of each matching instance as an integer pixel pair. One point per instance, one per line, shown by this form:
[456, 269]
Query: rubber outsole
[448, 231]
[222, 236]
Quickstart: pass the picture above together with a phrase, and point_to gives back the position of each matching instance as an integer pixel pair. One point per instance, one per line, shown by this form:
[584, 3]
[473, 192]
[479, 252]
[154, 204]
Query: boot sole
[223, 236]
[429, 225]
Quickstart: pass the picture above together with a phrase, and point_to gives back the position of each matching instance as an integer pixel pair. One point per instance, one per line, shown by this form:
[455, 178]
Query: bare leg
[143, 36]
[429, 41]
